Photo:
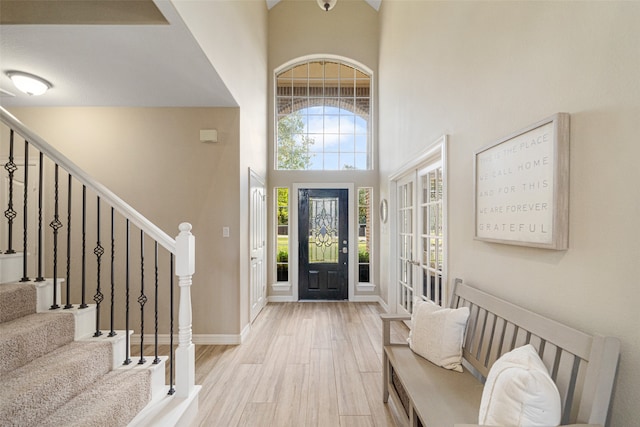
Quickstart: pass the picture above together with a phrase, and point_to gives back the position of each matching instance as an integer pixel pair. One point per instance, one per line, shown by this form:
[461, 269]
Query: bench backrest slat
[583, 366]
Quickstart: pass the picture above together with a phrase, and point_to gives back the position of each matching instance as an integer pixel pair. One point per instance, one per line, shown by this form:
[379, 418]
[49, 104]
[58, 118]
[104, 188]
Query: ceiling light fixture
[28, 83]
[327, 5]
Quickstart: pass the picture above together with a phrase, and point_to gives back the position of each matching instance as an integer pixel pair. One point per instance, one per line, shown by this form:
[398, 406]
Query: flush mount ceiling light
[327, 5]
[28, 83]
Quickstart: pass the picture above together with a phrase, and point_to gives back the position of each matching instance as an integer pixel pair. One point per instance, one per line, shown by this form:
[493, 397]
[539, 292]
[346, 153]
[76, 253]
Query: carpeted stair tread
[16, 300]
[27, 338]
[112, 401]
[32, 392]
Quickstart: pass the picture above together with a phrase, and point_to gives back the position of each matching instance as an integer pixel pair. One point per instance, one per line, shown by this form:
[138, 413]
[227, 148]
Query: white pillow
[437, 333]
[520, 392]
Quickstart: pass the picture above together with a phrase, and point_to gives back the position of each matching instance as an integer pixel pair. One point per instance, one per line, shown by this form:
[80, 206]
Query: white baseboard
[365, 298]
[278, 298]
[383, 304]
[202, 339]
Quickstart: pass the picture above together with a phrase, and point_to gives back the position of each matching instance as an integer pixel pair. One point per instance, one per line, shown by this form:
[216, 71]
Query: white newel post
[185, 353]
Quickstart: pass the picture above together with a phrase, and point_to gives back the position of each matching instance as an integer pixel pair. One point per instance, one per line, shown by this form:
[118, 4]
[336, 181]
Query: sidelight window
[282, 235]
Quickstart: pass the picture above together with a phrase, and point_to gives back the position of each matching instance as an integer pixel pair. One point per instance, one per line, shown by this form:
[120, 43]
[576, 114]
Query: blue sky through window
[339, 135]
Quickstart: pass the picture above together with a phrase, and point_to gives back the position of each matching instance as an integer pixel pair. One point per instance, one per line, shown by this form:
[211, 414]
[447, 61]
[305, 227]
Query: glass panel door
[406, 243]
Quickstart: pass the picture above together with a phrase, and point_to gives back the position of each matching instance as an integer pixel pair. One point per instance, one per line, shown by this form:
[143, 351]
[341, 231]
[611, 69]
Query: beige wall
[153, 159]
[298, 29]
[478, 71]
[233, 35]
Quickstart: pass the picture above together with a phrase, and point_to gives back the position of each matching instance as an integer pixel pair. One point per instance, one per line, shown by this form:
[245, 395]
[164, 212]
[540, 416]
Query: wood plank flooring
[304, 364]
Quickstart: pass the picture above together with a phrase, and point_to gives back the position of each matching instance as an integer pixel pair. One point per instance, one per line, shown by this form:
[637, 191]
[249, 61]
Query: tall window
[323, 117]
[282, 235]
[364, 234]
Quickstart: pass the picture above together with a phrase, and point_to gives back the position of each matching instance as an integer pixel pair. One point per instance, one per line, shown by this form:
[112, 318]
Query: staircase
[68, 364]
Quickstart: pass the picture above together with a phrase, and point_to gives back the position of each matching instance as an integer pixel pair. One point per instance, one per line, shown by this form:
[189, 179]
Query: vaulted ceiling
[108, 53]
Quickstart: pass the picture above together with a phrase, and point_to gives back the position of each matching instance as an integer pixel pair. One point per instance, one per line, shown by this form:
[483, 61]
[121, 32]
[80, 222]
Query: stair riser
[10, 268]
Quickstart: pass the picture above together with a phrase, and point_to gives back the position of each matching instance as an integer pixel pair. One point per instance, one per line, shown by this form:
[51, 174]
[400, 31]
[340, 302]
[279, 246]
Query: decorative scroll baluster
[83, 277]
[98, 252]
[112, 333]
[142, 299]
[40, 187]
[185, 353]
[25, 223]
[68, 305]
[55, 225]
[156, 360]
[10, 214]
[172, 389]
[127, 360]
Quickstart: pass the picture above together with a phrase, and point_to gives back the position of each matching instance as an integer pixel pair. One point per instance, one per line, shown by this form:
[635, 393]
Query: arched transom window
[323, 113]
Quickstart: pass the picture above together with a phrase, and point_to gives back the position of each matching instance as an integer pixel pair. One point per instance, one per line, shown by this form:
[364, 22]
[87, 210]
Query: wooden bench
[582, 366]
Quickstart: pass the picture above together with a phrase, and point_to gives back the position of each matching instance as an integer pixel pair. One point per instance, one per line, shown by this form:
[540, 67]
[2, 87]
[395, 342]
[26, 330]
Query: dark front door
[323, 229]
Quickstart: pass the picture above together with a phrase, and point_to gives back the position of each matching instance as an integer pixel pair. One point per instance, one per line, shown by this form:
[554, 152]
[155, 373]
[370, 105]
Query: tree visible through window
[323, 117]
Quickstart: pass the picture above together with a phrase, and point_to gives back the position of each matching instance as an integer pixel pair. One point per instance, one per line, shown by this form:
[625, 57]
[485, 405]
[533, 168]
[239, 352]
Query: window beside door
[282, 234]
[365, 196]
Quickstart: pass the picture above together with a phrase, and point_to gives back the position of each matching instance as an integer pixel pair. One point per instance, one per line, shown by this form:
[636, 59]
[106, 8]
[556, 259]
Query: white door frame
[257, 249]
[293, 233]
[437, 149]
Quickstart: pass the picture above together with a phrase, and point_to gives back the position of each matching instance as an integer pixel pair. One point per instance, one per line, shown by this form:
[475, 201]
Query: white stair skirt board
[168, 410]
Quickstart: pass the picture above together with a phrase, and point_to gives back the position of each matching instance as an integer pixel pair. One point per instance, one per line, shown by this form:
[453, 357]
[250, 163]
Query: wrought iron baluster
[25, 223]
[112, 333]
[127, 359]
[10, 214]
[83, 277]
[98, 251]
[172, 390]
[156, 360]
[55, 225]
[142, 299]
[68, 305]
[40, 188]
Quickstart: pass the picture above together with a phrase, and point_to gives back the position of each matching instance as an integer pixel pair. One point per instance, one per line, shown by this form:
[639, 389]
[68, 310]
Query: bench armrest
[386, 325]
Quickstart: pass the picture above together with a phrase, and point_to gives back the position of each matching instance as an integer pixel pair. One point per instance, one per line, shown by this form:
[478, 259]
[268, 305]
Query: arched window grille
[323, 116]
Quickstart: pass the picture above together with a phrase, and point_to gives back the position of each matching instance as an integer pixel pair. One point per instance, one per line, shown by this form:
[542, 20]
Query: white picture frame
[521, 191]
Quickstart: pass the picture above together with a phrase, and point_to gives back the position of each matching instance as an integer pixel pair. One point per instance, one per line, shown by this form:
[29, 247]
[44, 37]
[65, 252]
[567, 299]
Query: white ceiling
[112, 65]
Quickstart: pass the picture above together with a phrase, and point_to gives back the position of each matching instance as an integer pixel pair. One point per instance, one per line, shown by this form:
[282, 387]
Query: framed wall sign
[522, 187]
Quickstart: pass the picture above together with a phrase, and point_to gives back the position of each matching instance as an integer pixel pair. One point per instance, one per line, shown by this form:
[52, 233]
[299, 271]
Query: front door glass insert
[323, 230]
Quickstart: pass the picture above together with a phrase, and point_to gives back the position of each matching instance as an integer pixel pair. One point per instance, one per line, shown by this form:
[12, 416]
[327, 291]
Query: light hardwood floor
[304, 364]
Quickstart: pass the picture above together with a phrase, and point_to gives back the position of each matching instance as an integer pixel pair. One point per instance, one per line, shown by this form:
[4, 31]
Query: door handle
[344, 250]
